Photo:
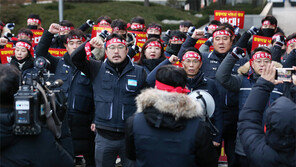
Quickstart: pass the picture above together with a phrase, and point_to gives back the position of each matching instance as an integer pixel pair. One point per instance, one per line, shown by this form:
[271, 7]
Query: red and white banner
[235, 18]
[8, 45]
[36, 37]
[5, 55]
[260, 41]
[57, 52]
[98, 29]
[200, 42]
[141, 38]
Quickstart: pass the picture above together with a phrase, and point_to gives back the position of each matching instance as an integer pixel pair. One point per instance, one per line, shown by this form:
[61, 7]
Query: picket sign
[235, 18]
[260, 41]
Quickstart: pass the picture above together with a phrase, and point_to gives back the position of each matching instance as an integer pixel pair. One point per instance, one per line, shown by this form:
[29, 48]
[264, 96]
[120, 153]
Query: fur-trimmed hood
[244, 69]
[176, 104]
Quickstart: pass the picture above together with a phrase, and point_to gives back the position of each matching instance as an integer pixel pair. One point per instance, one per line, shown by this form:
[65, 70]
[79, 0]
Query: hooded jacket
[167, 131]
[277, 146]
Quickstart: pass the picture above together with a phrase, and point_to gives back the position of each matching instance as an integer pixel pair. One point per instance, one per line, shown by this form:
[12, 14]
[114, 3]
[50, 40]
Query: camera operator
[39, 150]
[276, 147]
[78, 90]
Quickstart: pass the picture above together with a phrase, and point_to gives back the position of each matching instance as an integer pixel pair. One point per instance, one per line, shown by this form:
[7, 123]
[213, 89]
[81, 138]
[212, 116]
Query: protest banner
[57, 52]
[36, 37]
[141, 38]
[235, 18]
[260, 41]
[5, 55]
[98, 29]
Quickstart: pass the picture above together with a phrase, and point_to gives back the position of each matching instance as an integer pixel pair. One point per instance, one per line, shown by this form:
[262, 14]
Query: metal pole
[61, 10]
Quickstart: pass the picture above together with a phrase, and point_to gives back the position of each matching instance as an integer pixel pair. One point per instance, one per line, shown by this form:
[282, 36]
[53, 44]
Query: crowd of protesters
[140, 111]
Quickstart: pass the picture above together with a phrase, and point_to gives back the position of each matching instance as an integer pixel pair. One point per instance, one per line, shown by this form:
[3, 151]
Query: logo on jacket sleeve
[132, 82]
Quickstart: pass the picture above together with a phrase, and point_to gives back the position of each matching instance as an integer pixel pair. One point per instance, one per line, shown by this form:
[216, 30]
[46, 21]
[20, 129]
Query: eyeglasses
[187, 61]
[119, 47]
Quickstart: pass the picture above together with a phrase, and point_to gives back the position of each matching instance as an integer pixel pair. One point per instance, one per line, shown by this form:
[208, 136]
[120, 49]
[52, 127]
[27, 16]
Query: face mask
[175, 47]
[32, 27]
[153, 36]
[268, 32]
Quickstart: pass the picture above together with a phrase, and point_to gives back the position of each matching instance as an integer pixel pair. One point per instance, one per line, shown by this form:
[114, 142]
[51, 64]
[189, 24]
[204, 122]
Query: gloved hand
[190, 30]
[206, 29]
[10, 26]
[168, 33]
[8, 35]
[238, 53]
[136, 49]
[280, 41]
[104, 34]
[253, 30]
[209, 42]
[236, 30]
[90, 22]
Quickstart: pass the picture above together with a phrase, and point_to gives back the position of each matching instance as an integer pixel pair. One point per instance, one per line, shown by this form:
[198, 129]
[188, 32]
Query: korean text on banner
[5, 55]
[141, 38]
[260, 41]
[36, 37]
[235, 18]
[98, 29]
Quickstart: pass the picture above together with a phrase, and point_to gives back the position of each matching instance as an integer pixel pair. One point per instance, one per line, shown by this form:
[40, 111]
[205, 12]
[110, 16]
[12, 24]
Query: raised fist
[3, 41]
[190, 30]
[280, 40]
[90, 22]
[173, 59]
[54, 28]
[238, 53]
[253, 30]
[104, 34]
[197, 34]
[96, 42]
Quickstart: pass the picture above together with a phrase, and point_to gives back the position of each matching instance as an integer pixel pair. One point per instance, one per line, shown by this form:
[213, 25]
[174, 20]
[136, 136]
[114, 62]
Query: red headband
[64, 28]
[291, 41]
[259, 55]
[115, 40]
[191, 54]
[23, 44]
[221, 32]
[32, 20]
[168, 88]
[29, 35]
[213, 27]
[153, 43]
[175, 38]
[156, 28]
[137, 26]
[267, 22]
[104, 22]
[76, 37]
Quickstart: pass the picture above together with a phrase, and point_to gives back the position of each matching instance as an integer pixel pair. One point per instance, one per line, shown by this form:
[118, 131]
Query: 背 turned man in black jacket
[277, 146]
[39, 150]
[167, 130]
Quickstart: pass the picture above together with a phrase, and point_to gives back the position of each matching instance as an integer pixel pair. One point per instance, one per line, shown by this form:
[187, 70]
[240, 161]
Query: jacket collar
[130, 65]
[196, 82]
[176, 104]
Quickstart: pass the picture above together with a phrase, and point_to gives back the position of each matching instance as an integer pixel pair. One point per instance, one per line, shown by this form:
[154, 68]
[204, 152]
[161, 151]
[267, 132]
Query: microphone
[57, 83]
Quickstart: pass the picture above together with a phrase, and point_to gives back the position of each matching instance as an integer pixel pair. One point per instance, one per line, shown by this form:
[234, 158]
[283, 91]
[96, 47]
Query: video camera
[35, 103]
